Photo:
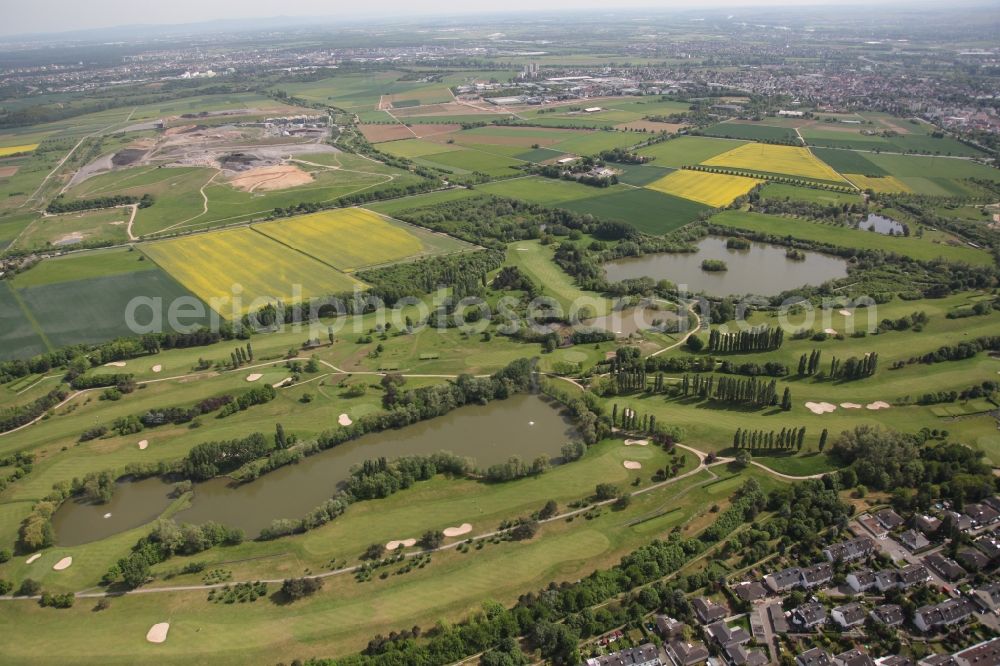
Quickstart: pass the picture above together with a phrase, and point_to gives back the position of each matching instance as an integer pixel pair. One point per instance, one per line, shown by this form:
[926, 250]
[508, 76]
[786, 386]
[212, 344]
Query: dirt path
[131, 220]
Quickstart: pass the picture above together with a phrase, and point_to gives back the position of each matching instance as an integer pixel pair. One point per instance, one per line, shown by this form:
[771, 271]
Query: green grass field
[849, 161]
[688, 150]
[918, 248]
[779, 191]
[751, 131]
[647, 210]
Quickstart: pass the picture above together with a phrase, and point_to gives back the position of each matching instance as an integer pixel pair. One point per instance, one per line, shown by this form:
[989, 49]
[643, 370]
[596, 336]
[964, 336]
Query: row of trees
[19, 415]
[854, 368]
[757, 440]
[61, 205]
[752, 392]
[757, 339]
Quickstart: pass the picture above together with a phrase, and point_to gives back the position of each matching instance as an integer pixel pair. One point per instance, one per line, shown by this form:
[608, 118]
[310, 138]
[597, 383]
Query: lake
[523, 425]
[763, 269]
[882, 225]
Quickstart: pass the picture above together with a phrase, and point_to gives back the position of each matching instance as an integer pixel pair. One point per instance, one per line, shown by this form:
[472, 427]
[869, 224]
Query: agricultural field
[221, 266]
[353, 238]
[649, 210]
[780, 191]
[688, 150]
[7, 151]
[878, 184]
[751, 131]
[711, 189]
[849, 161]
[918, 248]
[769, 158]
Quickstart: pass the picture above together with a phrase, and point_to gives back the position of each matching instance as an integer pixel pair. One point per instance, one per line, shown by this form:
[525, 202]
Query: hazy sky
[28, 16]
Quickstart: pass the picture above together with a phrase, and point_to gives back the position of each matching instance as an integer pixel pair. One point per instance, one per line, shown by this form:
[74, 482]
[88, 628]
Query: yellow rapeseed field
[348, 239]
[210, 264]
[712, 189]
[13, 150]
[769, 158]
[883, 185]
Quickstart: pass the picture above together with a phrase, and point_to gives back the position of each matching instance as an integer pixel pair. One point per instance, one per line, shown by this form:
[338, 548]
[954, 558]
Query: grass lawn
[536, 260]
[918, 248]
[84, 265]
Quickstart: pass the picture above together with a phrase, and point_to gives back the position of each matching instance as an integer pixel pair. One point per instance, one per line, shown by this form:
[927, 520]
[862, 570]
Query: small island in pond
[714, 265]
[795, 254]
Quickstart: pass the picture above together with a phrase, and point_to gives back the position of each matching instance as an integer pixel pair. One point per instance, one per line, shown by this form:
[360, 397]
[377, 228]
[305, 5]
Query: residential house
[928, 524]
[777, 617]
[814, 657]
[938, 660]
[988, 596]
[944, 614]
[861, 580]
[981, 514]
[808, 615]
[986, 653]
[972, 559]
[894, 660]
[687, 653]
[889, 519]
[816, 575]
[945, 567]
[989, 545]
[644, 655]
[854, 657]
[960, 520]
[913, 540]
[708, 611]
[869, 523]
[904, 578]
[849, 615]
[725, 635]
[850, 550]
[668, 627]
[891, 615]
[993, 502]
[737, 655]
[784, 580]
[749, 591]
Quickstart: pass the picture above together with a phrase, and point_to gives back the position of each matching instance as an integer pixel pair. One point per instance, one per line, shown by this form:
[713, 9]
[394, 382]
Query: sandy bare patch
[636, 442]
[632, 464]
[158, 632]
[8, 171]
[254, 376]
[157, 368]
[830, 331]
[278, 177]
[878, 404]
[402, 543]
[143, 444]
[344, 420]
[850, 405]
[115, 364]
[64, 563]
[820, 407]
[650, 126]
[847, 313]
[464, 528]
[32, 558]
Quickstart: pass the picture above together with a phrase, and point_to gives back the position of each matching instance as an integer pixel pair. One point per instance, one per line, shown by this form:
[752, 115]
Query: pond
[882, 225]
[523, 425]
[762, 269]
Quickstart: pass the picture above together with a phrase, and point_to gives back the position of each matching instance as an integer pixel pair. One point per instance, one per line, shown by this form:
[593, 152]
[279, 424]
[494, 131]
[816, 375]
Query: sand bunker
[403, 543]
[157, 368]
[878, 404]
[279, 177]
[632, 464]
[344, 420]
[32, 558]
[254, 376]
[636, 442]
[143, 444]
[820, 407]
[64, 563]
[847, 313]
[850, 405]
[158, 632]
[464, 528]
[830, 331]
[115, 364]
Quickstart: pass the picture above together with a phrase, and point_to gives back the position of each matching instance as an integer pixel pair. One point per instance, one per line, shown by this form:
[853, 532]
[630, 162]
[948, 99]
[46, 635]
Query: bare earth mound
[278, 177]
[464, 528]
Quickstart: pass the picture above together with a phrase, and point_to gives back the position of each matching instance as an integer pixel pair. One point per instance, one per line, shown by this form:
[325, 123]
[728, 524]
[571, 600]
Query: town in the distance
[662, 335]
